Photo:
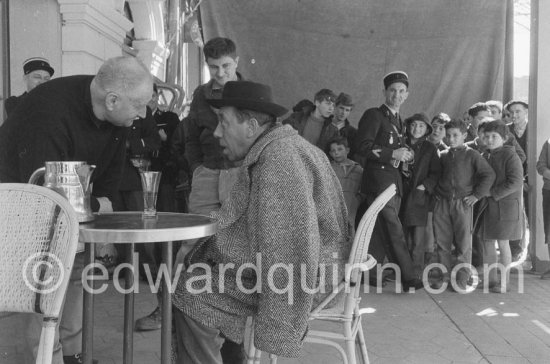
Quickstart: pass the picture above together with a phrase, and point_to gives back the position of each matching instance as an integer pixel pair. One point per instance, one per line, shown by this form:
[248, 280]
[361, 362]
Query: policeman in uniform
[36, 71]
[381, 145]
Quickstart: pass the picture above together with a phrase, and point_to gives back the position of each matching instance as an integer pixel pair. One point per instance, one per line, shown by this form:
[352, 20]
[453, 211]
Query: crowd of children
[462, 195]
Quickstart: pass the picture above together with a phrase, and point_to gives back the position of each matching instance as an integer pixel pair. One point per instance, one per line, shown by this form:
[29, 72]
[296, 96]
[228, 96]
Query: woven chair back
[38, 240]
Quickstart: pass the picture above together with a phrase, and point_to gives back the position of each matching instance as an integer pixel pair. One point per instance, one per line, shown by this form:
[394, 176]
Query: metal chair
[38, 236]
[347, 312]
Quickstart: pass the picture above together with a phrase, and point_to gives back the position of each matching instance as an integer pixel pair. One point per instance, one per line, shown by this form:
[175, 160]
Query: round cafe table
[130, 228]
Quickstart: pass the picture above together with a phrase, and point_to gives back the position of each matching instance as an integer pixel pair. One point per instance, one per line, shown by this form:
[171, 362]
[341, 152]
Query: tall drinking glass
[150, 185]
[140, 161]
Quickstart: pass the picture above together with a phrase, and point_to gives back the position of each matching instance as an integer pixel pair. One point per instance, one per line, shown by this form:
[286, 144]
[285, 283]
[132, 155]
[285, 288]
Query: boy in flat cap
[381, 143]
[35, 72]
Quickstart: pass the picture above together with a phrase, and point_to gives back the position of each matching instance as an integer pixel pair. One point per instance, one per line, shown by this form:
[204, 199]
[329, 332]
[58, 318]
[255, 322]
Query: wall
[35, 31]
[539, 117]
[452, 50]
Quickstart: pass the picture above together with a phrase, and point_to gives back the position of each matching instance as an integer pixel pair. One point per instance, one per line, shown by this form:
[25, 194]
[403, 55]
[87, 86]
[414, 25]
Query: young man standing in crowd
[316, 125]
[342, 109]
[519, 111]
[496, 109]
[213, 174]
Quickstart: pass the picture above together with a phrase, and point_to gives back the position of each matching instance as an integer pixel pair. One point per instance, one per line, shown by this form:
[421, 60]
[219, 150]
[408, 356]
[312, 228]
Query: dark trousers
[546, 214]
[453, 226]
[388, 238]
[517, 246]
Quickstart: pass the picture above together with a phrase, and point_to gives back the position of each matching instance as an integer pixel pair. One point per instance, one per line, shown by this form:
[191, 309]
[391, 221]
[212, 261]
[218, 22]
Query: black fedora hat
[248, 95]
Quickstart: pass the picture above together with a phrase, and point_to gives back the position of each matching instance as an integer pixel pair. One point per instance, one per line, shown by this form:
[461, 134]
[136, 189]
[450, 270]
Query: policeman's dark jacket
[380, 130]
[55, 122]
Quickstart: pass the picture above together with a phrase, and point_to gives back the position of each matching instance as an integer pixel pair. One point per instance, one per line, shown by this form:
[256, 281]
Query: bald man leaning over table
[76, 118]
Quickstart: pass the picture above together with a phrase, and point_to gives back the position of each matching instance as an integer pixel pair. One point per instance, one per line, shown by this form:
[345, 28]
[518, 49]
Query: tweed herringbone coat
[286, 215]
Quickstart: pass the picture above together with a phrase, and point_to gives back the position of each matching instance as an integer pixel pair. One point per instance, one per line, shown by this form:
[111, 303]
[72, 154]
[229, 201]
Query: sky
[521, 39]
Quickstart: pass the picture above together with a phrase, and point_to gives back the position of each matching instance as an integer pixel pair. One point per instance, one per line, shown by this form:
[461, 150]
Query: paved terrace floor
[402, 328]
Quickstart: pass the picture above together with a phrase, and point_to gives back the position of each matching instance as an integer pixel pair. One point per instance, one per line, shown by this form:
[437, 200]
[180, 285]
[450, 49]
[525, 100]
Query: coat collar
[391, 112]
[277, 131]
[234, 207]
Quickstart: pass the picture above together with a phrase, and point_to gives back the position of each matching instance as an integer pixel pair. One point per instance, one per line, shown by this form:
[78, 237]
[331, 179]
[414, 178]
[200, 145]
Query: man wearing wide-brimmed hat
[36, 70]
[286, 212]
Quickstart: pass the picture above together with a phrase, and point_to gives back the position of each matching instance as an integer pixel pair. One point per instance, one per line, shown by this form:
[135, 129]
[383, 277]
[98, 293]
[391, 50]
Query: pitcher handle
[35, 176]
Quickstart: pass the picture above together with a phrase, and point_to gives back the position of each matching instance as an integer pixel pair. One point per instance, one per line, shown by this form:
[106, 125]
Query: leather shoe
[412, 283]
[76, 359]
[373, 282]
[153, 321]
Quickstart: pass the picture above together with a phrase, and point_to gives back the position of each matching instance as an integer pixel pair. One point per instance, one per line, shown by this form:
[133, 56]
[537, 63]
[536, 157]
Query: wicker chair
[38, 236]
[347, 313]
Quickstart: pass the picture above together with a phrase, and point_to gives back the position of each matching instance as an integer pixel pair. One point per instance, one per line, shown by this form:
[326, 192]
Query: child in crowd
[503, 216]
[349, 174]
[478, 144]
[465, 178]
[418, 187]
[438, 131]
[437, 137]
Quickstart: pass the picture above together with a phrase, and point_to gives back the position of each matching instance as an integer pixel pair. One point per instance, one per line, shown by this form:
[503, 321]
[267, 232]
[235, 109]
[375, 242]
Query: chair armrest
[363, 266]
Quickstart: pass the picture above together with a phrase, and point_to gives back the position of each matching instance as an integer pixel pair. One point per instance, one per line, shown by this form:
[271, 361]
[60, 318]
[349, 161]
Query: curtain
[452, 50]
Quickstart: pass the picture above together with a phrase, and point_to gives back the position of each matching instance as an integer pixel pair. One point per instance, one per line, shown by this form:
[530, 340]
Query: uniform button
[116, 139]
[383, 167]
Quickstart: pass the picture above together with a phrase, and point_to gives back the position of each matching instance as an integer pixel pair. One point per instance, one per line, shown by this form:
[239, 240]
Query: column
[92, 31]
[539, 121]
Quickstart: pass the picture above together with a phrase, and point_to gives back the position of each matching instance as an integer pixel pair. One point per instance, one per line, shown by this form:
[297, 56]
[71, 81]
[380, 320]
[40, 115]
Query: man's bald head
[121, 90]
[123, 74]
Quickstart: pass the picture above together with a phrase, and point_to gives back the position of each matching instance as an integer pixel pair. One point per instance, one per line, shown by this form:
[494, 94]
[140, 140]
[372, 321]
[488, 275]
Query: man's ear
[253, 127]
[236, 61]
[111, 100]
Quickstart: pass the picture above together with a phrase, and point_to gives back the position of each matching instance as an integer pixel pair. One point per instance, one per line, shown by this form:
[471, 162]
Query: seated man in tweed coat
[284, 222]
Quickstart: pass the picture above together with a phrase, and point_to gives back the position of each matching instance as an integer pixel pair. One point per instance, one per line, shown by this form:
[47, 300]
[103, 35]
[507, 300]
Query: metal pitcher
[72, 180]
